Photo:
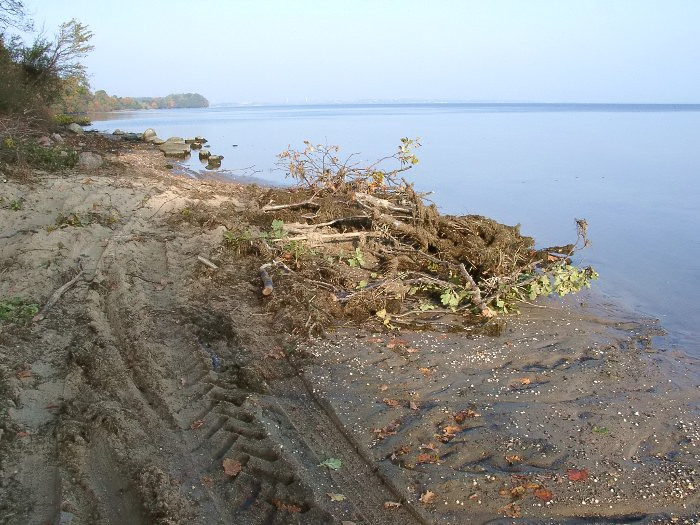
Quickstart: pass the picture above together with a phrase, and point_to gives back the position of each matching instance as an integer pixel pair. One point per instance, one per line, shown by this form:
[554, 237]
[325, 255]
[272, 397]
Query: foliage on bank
[78, 99]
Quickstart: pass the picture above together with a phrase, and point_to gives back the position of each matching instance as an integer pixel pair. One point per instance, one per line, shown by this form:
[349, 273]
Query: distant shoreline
[475, 106]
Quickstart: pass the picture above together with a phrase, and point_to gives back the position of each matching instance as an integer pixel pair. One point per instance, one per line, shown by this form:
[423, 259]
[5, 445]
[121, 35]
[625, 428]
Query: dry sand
[159, 390]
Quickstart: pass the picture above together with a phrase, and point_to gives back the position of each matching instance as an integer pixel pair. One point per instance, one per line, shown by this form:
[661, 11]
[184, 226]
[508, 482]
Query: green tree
[48, 63]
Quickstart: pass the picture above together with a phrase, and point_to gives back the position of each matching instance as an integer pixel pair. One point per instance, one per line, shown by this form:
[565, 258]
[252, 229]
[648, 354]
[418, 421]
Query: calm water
[633, 172]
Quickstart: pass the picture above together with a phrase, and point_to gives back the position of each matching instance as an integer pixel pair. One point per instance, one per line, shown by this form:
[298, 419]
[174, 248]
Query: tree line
[45, 78]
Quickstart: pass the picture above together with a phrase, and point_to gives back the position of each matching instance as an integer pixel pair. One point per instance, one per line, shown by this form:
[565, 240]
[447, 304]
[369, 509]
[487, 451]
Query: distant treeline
[80, 100]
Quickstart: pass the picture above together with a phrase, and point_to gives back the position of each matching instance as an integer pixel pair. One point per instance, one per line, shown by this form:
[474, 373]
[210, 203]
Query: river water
[632, 171]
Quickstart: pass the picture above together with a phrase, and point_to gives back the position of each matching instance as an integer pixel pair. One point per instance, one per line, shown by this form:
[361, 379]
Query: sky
[295, 51]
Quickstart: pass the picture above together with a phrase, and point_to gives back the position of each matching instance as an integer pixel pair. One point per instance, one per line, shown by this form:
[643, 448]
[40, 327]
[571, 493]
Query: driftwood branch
[57, 295]
[316, 237]
[476, 292]
[368, 200]
[207, 262]
[309, 203]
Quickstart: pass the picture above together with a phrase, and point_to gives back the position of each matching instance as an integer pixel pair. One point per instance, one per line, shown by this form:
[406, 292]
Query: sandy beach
[157, 389]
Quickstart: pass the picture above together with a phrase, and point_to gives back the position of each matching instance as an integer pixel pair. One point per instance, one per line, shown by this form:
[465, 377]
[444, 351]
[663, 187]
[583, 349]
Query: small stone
[89, 160]
[76, 128]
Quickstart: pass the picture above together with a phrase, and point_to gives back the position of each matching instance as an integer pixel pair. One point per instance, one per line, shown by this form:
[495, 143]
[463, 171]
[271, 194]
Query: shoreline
[154, 368]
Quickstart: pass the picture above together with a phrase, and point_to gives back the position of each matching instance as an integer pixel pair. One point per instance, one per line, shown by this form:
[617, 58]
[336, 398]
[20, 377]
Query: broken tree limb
[302, 229]
[309, 203]
[368, 200]
[476, 292]
[57, 295]
[207, 262]
[316, 237]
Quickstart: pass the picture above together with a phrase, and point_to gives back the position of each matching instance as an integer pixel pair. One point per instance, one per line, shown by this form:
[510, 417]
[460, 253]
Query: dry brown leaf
[231, 467]
[463, 415]
[428, 446]
[397, 343]
[388, 430]
[287, 507]
[23, 373]
[393, 403]
[451, 430]
[22, 434]
[425, 371]
[336, 497]
[543, 494]
[577, 475]
[517, 492]
[383, 388]
[375, 339]
[197, 424]
[411, 350]
[207, 480]
[427, 458]
[511, 510]
[413, 405]
[391, 504]
[428, 497]
[513, 458]
[401, 451]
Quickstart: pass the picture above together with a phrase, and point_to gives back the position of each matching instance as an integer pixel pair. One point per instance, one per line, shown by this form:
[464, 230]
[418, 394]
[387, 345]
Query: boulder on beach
[149, 135]
[89, 160]
[204, 154]
[117, 132]
[76, 128]
[175, 147]
[214, 161]
[57, 138]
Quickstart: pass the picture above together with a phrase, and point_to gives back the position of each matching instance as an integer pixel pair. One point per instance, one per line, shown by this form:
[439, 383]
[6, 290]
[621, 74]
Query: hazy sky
[489, 50]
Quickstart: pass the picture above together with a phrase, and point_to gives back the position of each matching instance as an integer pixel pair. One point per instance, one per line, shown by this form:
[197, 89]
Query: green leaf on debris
[331, 463]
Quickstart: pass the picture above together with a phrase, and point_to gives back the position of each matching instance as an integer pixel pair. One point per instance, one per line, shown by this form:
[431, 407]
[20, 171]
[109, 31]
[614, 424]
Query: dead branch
[476, 292]
[320, 238]
[370, 201]
[207, 262]
[57, 294]
[309, 203]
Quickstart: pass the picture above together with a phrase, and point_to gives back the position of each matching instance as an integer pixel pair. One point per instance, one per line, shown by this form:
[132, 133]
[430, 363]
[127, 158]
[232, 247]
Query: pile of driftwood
[390, 257]
[358, 242]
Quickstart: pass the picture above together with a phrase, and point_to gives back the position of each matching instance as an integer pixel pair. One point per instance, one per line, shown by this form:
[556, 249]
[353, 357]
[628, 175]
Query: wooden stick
[293, 206]
[207, 262]
[321, 237]
[476, 297]
[57, 295]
